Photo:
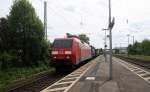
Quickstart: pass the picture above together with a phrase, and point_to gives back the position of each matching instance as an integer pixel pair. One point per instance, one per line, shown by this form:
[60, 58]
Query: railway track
[37, 84]
[143, 63]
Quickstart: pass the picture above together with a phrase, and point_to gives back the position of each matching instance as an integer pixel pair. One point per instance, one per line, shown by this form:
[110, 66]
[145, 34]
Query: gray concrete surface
[123, 79]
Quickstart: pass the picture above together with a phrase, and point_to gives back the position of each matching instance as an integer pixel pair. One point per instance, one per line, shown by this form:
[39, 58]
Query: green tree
[146, 47]
[4, 34]
[116, 51]
[27, 33]
[84, 38]
[138, 48]
[6, 53]
[130, 50]
[142, 48]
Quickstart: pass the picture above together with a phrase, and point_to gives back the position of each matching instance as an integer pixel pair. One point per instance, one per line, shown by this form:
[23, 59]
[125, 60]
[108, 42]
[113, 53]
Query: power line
[60, 15]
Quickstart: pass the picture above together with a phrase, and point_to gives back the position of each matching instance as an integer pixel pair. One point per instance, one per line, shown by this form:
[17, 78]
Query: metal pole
[45, 18]
[133, 39]
[128, 44]
[120, 45]
[128, 39]
[105, 46]
[110, 38]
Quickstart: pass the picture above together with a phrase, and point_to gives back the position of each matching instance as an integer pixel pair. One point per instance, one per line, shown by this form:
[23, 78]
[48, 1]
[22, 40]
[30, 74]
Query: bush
[142, 48]
[8, 59]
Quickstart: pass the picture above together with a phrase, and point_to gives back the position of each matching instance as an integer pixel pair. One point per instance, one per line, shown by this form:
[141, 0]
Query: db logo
[61, 52]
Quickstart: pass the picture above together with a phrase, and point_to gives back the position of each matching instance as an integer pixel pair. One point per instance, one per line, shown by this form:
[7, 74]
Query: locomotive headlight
[68, 52]
[68, 57]
[54, 52]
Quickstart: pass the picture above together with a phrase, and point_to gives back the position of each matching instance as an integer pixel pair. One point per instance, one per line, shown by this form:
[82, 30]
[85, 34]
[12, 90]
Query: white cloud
[66, 15]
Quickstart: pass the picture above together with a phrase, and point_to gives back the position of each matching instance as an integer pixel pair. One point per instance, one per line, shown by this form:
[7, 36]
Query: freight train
[69, 52]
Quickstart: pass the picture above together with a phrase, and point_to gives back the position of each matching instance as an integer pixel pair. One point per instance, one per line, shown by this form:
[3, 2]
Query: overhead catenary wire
[60, 14]
[55, 12]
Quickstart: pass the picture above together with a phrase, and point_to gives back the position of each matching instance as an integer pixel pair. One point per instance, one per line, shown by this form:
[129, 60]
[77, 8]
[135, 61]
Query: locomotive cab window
[62, 43]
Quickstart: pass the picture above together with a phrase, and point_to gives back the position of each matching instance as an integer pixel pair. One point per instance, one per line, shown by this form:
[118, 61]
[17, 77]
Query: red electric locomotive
[69, 52]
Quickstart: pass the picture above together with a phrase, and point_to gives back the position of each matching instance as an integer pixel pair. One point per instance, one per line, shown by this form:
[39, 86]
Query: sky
[65, 16]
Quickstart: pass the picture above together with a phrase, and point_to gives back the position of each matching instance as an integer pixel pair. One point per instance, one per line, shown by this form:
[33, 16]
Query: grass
[12, 75]
[140, 57]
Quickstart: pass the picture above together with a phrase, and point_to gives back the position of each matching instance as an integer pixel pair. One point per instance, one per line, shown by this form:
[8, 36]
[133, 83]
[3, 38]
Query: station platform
[96, 79]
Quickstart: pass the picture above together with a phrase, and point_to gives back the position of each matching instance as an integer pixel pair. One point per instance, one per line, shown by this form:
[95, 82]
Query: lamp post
[110, 26]
[128, 38]
[128, 43]
[133, 39]
[105, 46]
[45, 18]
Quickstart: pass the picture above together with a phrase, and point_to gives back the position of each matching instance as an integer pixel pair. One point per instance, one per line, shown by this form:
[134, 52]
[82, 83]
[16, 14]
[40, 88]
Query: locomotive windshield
[62, 43]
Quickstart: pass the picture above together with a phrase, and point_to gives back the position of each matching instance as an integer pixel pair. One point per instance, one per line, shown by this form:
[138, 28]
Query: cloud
[70, 8]
[66, 15]
[141, 25]
[102, 3]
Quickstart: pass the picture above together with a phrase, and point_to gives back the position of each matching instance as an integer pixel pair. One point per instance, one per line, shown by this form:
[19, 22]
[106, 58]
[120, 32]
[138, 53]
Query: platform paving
[97, 79]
